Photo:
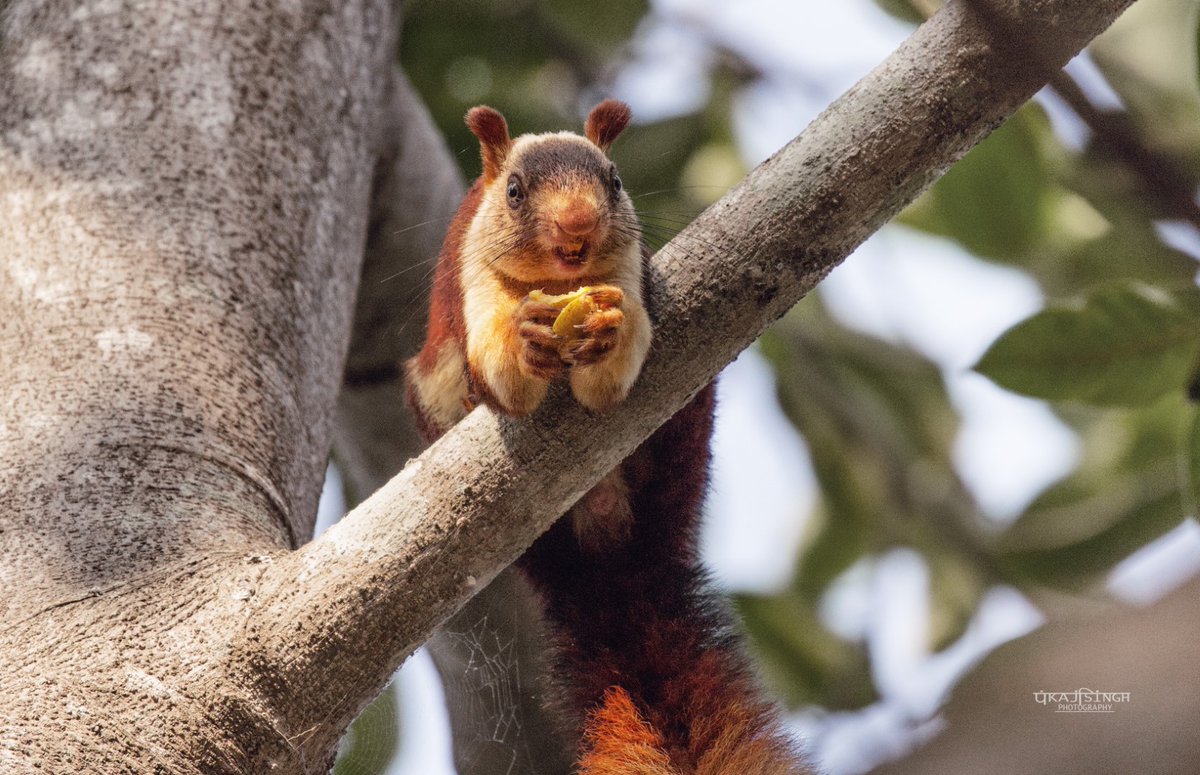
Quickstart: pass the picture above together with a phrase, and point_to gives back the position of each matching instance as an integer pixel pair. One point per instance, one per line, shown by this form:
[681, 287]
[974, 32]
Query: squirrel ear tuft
[605, 122]
[492, 130]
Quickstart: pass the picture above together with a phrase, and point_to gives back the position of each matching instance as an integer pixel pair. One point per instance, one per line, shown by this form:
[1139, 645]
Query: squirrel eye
[616, 184]
[515, 194]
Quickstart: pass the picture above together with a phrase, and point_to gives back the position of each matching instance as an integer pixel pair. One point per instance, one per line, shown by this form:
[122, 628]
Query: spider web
[489, 689]
[486, 684]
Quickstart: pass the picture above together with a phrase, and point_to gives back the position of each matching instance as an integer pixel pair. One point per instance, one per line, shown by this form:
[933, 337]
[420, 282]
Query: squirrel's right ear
[491, 129]
[605, 122]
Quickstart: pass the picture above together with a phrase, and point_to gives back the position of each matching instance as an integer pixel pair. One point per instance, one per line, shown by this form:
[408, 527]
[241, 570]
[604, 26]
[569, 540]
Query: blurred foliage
[999, 201]
[1115, 350]
[907, 10]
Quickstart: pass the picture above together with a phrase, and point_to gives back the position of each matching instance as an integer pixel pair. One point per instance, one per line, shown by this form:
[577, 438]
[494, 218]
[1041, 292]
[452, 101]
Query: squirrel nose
[577, 220]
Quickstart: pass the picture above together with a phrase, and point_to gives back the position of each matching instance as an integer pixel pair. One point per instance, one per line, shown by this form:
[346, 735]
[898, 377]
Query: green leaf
[1196, 52]
[845, 533]
[1120, 499]
[601, 26]
[803, 660]
[850, 489]
[876, 417]
[1077, 511]
[1128, 252]
[1131, 461]
[901, 9]
[1126, 345]
[955, 589]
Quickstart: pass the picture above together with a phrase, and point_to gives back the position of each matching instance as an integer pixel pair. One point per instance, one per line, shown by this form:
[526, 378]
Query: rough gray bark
[185, 200]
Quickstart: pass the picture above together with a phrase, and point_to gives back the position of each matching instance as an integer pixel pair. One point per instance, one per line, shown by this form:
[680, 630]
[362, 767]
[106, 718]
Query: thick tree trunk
[183, 199]
[185, 191]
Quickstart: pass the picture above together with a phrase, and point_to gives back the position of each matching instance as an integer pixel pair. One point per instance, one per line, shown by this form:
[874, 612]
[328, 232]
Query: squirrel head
[553, 207]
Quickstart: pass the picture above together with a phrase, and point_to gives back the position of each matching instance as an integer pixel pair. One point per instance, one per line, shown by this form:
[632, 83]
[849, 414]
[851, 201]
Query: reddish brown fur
[445, 306]
[618, 741]
[446, 301]
[605, 123]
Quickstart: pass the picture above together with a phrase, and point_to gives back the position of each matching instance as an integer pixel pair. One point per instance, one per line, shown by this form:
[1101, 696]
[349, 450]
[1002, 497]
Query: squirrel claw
[542, 365]
[540, 356]
[589, 351]
[541, 360]
[537, 312]
[606, 296]
[600, 329]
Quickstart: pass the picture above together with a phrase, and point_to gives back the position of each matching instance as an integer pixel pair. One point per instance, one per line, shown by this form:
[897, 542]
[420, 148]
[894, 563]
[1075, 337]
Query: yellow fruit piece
[572, 316]
[575, 307]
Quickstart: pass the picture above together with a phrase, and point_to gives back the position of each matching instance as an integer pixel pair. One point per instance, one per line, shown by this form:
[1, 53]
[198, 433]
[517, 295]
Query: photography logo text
[1082, 701]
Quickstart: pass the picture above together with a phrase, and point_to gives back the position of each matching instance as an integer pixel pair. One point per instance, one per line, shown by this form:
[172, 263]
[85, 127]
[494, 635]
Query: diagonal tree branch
[400, 563]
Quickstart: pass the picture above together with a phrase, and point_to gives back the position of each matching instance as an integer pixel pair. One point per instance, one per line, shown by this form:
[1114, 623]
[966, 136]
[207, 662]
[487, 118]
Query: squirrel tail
[646, 658]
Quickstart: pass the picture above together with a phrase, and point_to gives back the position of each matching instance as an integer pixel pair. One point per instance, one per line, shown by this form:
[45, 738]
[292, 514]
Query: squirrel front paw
[540, 354]
[599, 330]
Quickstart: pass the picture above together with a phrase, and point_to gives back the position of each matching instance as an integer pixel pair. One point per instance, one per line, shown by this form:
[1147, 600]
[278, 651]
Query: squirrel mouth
[572, 259]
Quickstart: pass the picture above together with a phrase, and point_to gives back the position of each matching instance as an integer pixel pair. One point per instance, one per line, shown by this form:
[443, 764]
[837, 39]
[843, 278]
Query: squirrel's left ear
[605, 122]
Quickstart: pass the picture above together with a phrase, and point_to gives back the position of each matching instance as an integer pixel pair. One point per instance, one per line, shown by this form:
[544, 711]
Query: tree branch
[180, 227]
[412, 553]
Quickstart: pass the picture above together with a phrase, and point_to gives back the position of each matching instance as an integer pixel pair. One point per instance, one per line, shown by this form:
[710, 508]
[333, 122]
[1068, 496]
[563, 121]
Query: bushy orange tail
[618, 741]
